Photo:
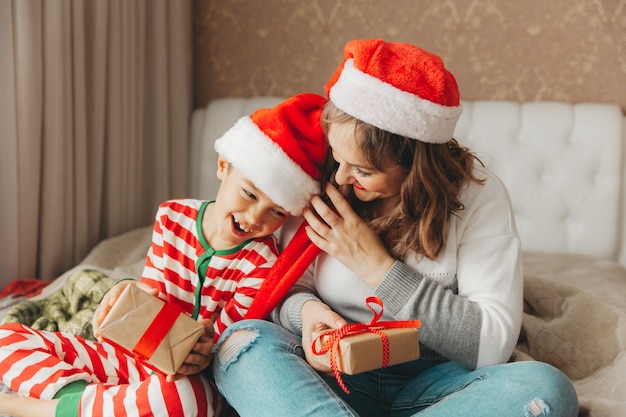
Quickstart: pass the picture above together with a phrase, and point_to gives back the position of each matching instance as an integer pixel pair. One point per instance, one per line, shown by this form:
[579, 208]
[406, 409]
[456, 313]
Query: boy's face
[242, 211]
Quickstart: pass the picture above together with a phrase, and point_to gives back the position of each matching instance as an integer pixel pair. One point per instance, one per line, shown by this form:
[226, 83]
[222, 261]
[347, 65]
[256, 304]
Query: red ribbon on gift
[333, 336]
[158, 329]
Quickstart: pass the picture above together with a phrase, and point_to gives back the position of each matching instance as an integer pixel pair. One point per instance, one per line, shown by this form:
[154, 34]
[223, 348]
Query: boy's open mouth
[239, 227]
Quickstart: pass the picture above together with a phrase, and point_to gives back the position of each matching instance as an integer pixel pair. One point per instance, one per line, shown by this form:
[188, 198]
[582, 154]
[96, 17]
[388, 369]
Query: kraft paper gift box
[159, 333]
[364, 351]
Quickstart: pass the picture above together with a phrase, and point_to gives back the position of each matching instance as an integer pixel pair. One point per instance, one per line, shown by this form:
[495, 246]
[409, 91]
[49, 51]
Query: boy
[209, 257]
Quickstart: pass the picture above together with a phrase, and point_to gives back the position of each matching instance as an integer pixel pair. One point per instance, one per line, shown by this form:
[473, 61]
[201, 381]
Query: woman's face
[368, 183]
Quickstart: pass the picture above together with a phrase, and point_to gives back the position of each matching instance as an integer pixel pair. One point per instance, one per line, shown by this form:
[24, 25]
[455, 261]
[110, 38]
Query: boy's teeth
[241, 227]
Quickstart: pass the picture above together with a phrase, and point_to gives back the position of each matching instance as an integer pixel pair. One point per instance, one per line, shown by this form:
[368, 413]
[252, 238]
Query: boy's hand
[110, 298]
[317, 317]
[200, 356]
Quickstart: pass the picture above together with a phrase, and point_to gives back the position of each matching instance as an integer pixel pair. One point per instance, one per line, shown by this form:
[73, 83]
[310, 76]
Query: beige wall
[572, 50]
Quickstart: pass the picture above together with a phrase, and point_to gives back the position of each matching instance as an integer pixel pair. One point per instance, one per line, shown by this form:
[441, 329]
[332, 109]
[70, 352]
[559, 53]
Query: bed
[564, 165]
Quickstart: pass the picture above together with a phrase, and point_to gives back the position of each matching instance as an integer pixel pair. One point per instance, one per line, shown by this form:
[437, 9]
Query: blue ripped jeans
[261, 371]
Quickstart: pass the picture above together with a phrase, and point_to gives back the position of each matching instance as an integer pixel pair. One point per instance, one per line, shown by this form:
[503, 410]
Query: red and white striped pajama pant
[38, 364]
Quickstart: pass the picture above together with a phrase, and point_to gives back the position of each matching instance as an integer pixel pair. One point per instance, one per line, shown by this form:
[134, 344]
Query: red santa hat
[397, 87]
[281, 150]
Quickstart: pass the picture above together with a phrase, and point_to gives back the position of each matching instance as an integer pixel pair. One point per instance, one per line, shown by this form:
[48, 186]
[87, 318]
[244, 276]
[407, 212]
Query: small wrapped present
[363, 352]
[159, 333]
[360, 347]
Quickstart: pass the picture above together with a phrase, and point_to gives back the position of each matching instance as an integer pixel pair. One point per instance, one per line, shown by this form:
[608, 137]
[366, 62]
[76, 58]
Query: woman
[418, 222]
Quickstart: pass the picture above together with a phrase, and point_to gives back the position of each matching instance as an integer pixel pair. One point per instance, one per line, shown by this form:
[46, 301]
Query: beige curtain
[102, 105]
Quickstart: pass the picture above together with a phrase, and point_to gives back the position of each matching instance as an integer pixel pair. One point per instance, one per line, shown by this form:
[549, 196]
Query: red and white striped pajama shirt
[206, 283]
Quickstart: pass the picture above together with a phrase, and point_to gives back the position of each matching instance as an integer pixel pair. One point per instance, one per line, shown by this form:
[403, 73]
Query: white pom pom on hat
[397, 87]
[281, 150]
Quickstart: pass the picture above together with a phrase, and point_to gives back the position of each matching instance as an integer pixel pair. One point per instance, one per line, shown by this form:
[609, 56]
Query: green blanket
[70, 309]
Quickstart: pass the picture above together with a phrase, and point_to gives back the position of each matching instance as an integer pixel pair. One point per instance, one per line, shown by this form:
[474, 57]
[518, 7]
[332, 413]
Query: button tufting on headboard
[562, 165]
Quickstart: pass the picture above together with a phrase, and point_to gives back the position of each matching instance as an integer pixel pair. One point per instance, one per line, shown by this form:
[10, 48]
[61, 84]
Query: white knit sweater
[469, 300]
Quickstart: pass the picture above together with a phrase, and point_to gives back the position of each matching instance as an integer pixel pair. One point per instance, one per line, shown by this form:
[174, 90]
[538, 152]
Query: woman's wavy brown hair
[429, 195]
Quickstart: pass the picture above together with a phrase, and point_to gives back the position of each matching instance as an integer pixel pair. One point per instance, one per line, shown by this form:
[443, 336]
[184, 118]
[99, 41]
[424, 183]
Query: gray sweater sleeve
[288, 313]
[409, 296]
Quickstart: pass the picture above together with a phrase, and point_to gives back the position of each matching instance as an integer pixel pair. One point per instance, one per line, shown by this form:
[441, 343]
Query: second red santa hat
[397, 87]
[281, 150]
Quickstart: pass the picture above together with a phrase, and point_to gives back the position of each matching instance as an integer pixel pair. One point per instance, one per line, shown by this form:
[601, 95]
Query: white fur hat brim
[271, 170]
[381, 104]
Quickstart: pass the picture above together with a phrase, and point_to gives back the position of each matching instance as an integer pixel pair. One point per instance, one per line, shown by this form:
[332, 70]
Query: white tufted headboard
[562, 163]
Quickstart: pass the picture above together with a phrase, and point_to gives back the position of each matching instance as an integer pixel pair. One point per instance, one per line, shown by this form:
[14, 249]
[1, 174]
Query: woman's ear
[222, 167]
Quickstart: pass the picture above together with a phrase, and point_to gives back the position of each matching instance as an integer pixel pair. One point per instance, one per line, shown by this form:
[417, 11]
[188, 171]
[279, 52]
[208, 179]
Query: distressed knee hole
[537, 407]
[236, 343]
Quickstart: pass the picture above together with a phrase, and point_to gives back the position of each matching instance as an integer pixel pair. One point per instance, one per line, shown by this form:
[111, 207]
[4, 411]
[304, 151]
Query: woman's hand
[317, 317]
[200, 356]
[110, 298]
[344, 235]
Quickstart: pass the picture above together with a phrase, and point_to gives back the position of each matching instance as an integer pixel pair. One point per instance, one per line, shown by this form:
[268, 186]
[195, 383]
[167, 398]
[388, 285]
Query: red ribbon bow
[333, 337]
